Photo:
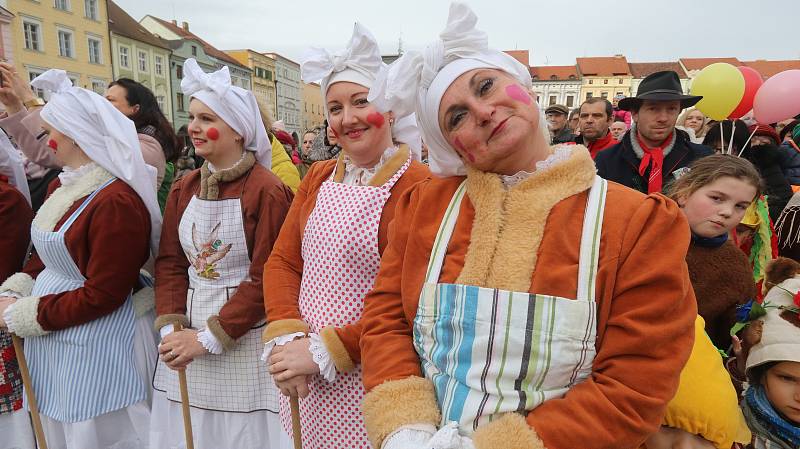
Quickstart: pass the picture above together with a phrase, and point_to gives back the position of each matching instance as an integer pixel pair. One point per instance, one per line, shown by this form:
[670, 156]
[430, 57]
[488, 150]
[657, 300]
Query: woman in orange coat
[328, 252]
[512, 308]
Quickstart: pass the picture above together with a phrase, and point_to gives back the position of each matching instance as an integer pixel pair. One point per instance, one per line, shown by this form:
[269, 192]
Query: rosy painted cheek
[464, 152]
[376, 119]
[335, 134]
[212, 133]
[517, 93]
[53, 145]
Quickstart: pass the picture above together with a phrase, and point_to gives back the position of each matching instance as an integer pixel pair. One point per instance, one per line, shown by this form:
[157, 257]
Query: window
[591, 81]
[123, 57]
[605, 81]
[33, 35]
[142, 61]
[94, 51]
[179, 102]
[61, 4]
[619, 94]
[589, 95]
[159, 64]
[194, 50]
[570, 101]
[179, 72]
[160, 101]
[552, 100]
[31, 75]
[90, 6]
[620, 81]
[98, 86]
[604, 95]
[65, 47]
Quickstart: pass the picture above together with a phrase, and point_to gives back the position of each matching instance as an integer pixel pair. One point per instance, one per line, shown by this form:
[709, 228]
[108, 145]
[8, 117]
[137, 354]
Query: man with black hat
[653, 153]
[557, 123]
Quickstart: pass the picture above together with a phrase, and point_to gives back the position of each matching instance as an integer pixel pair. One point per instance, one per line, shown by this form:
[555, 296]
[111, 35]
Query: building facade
[141, 56]
[263, 69]
[67, 34]
[289, 93]
[641, 70]
[313, 113]
[6, 41]
[604, 77]
[556, 85]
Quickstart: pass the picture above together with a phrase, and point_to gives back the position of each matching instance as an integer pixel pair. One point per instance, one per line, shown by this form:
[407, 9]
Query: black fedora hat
[660, 86]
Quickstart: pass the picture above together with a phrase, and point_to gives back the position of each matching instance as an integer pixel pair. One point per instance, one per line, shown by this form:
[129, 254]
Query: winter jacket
[766, 159]
[282, 166]
[620, 163]
[564, 136]
[790, 163]
[625, 116]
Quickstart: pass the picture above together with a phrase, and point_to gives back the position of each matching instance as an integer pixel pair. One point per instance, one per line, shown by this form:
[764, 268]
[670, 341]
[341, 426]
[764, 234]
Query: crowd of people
[440, 265]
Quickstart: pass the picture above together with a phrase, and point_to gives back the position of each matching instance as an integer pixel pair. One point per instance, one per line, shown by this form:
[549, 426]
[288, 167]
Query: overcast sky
[554, 31]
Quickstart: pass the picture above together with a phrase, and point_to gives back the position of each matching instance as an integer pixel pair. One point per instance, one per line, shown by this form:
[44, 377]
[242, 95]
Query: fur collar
[509, 224]
[384, 173]
[64, 197]
[209, 182]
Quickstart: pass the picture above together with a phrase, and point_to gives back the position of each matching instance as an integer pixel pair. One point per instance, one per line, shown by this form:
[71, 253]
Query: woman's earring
[391, 122]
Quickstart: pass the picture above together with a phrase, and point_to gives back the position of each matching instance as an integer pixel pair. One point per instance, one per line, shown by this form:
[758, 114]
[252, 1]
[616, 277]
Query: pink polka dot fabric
[340, 262]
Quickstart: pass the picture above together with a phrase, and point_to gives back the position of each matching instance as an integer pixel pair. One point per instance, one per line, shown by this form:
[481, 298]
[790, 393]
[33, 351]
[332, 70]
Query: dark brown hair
[709, 169]
[593, 100]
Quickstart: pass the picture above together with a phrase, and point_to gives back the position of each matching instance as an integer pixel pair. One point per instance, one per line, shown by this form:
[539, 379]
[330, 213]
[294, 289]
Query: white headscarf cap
[417, 81]
[236, 106]
[104, 134]
[11, 166]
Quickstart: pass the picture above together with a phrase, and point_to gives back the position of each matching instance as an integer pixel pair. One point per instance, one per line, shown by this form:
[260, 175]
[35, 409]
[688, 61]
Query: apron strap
[443, 236]
[63, 229]
[590, 240]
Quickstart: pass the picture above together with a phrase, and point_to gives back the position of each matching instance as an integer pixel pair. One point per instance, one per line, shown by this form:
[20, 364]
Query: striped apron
[87, 370]
[490, 352]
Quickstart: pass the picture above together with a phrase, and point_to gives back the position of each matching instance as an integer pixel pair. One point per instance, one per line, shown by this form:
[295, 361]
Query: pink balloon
[778, 98]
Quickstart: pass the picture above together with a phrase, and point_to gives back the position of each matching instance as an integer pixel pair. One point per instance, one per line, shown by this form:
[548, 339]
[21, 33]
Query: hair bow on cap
[53, 80]
[358, 63]
[195, 79]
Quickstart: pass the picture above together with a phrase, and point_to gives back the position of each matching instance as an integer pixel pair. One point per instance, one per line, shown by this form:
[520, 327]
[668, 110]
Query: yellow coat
[283, 167]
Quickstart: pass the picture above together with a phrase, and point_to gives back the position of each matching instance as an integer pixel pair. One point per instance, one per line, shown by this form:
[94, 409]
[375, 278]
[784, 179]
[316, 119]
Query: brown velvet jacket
[15, 222]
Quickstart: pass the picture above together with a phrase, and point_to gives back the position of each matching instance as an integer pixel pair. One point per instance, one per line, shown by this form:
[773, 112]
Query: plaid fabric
[10, 379]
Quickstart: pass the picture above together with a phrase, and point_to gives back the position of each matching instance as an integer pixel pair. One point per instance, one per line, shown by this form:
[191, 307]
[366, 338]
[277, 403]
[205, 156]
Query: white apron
[490, 351]
[234, 400]
[340, 263]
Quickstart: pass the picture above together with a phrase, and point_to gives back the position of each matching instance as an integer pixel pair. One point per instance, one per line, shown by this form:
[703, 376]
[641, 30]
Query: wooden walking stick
[294, 401]
[187, 417]
[26, 381]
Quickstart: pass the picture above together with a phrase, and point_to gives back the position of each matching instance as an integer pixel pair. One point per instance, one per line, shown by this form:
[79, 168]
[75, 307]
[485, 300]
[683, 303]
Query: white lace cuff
[278, 341]
[166, 330]
[410, 436]
[209, 341]
[322, 358]
[448, 438]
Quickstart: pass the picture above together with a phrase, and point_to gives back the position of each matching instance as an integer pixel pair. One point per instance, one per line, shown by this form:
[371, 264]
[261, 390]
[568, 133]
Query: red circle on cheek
[52, 144]
[376, 119]
[212, 133]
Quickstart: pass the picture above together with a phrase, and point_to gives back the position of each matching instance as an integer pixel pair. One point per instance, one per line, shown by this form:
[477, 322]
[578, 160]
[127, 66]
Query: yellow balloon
[722, 88]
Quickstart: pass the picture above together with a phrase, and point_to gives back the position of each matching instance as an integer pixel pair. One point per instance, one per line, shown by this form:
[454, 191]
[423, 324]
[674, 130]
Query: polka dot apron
[340, 262]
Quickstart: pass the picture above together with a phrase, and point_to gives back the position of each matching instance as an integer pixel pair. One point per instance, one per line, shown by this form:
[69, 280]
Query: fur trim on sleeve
[22, 318]
[397, 403]
[143, 301]
[214, 326]
[20, 284]
[509, 432]
[170, 318]
[339, 355]
[283, 327]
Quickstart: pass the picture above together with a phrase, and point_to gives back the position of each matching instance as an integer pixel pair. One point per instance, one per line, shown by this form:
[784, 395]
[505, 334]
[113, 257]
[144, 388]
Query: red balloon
[752, 82]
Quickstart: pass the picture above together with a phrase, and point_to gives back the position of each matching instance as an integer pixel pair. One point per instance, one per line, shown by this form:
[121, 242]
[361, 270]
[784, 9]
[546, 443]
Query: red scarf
[653, 158]
[601, 144]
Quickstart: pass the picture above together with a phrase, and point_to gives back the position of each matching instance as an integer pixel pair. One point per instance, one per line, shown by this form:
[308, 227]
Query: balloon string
[721, 138]
[748, 141]
[730, 144]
